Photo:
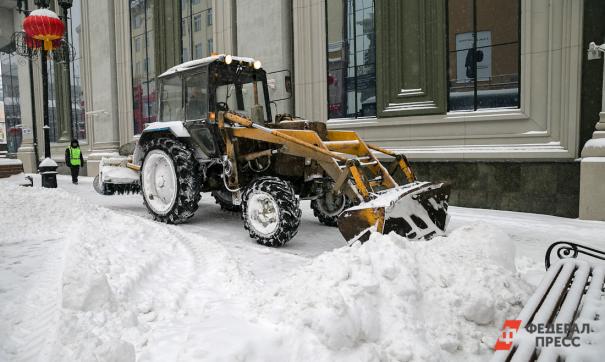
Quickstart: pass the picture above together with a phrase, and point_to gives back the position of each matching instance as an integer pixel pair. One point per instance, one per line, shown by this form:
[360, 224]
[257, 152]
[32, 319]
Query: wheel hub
[159, 181]
[263, 213]
[332, 204]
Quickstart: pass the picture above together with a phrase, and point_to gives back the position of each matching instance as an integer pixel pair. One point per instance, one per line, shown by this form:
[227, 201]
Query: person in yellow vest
[74, 160]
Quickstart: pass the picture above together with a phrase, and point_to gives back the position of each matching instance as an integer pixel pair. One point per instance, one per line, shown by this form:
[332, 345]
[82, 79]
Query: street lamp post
[66, 5]
[43, 57]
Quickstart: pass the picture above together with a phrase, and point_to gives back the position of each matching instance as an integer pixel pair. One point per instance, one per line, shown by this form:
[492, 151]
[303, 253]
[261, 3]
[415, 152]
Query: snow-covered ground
[90, 277]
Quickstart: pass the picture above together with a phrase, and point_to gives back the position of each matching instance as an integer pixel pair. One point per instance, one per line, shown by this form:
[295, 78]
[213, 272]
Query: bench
[564, 320]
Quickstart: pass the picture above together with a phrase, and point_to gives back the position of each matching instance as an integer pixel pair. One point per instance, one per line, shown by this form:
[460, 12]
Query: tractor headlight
[228, 59]
[257, 64]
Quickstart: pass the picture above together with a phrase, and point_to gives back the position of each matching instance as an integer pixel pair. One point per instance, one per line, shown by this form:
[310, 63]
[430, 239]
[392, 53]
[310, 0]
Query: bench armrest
[566, 250]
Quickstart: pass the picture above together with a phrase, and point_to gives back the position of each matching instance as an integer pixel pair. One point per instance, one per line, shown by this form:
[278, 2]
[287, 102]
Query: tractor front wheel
[170, 180]
[271, 211]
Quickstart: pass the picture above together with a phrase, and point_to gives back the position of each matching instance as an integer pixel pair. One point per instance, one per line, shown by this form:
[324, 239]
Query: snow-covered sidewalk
[88, 277]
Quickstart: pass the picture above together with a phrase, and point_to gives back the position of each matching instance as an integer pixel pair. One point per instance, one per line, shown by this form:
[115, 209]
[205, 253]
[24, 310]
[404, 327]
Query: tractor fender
[175, 129]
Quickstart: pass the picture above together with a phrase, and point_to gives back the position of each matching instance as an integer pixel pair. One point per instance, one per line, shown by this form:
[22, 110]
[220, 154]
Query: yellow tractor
[216, 134]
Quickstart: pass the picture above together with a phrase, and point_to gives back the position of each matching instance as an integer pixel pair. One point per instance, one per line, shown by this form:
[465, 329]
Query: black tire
[188, 179]
[282, 194]
[327, 210]
[224, 199]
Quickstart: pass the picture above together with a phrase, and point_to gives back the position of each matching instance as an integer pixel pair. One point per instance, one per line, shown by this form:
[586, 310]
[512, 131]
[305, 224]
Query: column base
[592, 197]
[26, 154]
[598, 134]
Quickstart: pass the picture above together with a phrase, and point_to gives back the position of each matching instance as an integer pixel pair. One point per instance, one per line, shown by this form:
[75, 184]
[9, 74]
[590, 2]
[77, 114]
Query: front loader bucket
[416, 210]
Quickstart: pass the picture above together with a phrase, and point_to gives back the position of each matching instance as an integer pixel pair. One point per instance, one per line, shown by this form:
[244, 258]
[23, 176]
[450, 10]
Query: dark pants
[75, 171]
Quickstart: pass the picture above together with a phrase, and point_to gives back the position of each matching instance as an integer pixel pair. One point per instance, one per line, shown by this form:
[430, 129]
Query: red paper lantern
[14, 131]
[37, 44]
[45, 27]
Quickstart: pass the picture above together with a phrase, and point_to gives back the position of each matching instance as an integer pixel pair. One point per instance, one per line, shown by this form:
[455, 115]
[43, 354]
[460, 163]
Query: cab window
[196, 96]
[171, 99]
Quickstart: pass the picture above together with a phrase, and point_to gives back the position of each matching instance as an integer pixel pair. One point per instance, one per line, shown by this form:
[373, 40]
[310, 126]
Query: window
[171, 107]
[198, 51]
[137, 21]
[210, 46]
[351, 50]
[196, 93]
[197, 23]
[193, 30]
[483, 48]
[11, 101]
[240, 98]
[143, 77]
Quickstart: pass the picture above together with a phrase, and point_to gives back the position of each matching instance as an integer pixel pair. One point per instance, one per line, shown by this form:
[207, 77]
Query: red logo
[509, 331]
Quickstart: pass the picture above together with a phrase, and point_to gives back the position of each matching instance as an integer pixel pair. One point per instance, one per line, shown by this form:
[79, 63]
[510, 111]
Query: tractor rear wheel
[224, 198]
[170, 180]
[271, 211]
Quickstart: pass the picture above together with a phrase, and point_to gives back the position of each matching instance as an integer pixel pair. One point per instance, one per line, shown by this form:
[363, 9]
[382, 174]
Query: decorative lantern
[44, 26]
[14, 131]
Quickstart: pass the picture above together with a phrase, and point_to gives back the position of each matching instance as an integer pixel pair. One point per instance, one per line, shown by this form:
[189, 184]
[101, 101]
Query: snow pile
[387, 300]
[84, 283]
[392, 299]
[80, 282]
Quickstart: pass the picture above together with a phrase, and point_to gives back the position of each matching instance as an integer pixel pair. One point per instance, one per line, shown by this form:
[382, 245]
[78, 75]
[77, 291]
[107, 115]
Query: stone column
[310, 68]
[25, 153]
[124, 71]
[100, 81]
[224, 27]
[271, 43]
[592, 170]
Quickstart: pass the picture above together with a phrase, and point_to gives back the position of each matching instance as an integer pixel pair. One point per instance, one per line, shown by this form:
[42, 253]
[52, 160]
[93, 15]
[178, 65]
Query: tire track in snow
[35, 321]
[162, 283]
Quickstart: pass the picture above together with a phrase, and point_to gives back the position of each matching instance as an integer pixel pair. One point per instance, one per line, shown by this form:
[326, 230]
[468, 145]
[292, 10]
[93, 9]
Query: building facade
[497, 97]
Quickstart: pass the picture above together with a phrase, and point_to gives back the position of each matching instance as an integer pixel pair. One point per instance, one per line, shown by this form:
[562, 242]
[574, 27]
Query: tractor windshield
[240, 97]
[242, 90]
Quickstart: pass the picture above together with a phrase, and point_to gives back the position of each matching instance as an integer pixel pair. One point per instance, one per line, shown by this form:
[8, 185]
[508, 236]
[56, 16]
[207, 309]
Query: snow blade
[115, 177]
[416, 210]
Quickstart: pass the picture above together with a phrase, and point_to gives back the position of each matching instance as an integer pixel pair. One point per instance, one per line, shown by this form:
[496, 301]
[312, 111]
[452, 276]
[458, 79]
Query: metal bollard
[48, 171]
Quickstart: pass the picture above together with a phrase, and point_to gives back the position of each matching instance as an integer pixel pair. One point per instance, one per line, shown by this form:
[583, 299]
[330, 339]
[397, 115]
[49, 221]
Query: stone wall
[538, 187]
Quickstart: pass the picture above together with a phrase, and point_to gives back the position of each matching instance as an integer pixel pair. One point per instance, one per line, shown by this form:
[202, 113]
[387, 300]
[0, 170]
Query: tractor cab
[197, 90]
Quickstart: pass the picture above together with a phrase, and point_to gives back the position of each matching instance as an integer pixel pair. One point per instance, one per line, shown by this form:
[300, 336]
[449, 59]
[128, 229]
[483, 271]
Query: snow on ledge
[10, 162]
[594, 148]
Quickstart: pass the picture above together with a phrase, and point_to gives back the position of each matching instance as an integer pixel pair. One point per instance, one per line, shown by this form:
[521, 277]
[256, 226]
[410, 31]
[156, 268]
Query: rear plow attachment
[117, 176]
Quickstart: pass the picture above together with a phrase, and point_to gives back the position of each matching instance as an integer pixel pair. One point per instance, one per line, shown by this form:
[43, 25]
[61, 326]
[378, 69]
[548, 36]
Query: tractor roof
[197, 63]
